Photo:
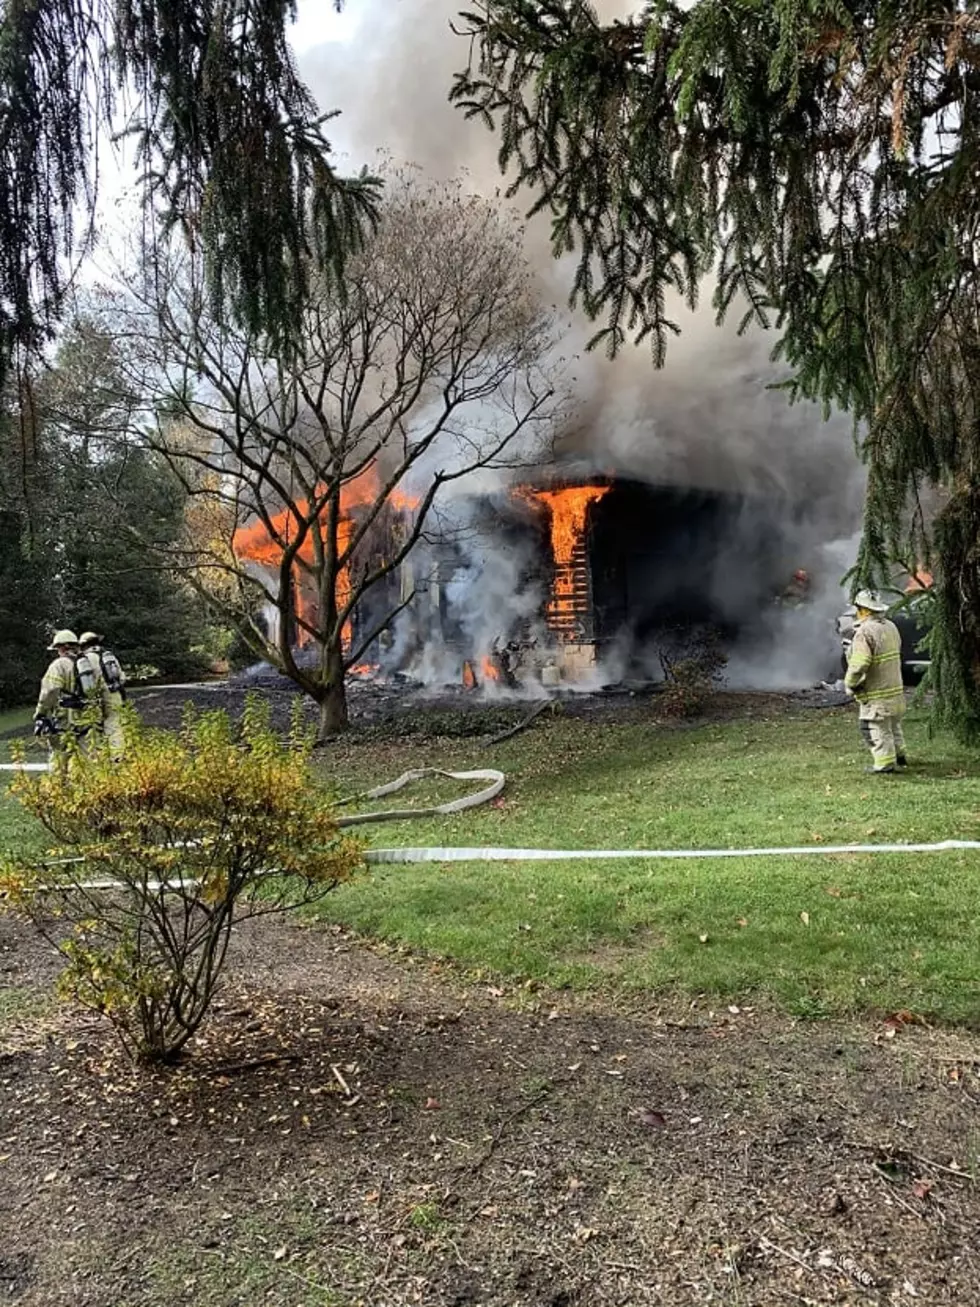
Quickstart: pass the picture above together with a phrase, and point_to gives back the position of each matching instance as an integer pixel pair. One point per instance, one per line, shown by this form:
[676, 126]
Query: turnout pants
[113, 731]
[884, 738]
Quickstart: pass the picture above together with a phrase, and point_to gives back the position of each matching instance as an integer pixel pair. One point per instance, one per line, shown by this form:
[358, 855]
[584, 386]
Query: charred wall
[665, 559]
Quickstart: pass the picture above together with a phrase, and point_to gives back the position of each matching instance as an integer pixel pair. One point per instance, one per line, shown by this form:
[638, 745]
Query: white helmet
[89, 637]
[60, 638]
[872, 601]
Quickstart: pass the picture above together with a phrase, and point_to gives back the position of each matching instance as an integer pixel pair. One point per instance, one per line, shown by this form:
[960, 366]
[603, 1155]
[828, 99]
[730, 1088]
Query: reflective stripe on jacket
[874, 669]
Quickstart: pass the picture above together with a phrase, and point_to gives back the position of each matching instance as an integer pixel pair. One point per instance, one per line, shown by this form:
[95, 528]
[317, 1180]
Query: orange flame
[568, 509]
[258, 544]
[402, 501]
[469, 676]
[489, 670]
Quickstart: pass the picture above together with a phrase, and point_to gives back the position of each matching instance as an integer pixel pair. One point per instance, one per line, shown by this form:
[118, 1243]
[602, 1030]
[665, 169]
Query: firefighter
[105, 665]
[797, 592]
[874, 678]
[67, 704]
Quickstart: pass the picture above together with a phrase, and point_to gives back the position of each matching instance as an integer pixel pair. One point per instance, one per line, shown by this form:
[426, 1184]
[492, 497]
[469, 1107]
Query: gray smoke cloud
[707, 419]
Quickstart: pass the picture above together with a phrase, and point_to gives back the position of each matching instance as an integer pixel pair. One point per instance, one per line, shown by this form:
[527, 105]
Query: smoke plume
[708, 419]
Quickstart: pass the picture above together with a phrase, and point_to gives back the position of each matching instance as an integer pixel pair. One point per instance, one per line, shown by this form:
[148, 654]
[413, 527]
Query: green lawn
[818, 934]
[882, 932]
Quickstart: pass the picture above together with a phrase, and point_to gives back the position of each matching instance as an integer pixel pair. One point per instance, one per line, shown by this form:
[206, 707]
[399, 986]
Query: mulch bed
[358, 1126]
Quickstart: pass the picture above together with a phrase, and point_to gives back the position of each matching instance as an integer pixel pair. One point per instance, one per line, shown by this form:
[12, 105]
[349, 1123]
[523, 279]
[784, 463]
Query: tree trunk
[954, 641]
[333, 711]
[333, 695]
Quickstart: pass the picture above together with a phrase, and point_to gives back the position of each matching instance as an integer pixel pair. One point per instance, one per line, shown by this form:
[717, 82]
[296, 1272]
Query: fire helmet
[871, 600]
[89, 637]
[60, 638]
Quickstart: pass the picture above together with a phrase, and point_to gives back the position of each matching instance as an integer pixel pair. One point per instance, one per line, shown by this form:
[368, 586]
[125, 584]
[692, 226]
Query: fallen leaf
[922, 1188]
[431, 1105]
[279, 1254]
[805, 918]
[908, 1018]
[703, 939]
[372, 1197]
[651, 1117]
[742, 921]
[833, 891]
[897, 1020]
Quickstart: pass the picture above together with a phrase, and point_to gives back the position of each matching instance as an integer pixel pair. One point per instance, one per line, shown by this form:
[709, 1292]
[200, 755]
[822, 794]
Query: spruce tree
[816, 159]
[230, 147]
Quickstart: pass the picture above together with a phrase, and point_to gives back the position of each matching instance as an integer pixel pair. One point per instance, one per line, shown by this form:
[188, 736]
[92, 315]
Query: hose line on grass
[493, 853]
[496, 778]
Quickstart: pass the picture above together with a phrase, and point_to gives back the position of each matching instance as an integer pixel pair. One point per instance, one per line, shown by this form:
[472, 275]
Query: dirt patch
[359, 1128]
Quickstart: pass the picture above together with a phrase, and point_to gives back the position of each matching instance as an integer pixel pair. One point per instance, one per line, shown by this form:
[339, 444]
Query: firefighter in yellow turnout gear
[104, 664]
[72, 701]
[874, 678]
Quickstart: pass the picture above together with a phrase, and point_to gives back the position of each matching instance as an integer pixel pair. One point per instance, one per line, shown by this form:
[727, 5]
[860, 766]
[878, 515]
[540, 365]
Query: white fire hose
[494, 853]
[496, 778]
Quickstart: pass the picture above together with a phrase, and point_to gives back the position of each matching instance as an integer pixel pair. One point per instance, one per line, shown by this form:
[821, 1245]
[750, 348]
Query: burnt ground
[386, 709]
[365, 1127]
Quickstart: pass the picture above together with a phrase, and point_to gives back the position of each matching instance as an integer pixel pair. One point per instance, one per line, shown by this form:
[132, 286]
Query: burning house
[568, 579]
[679, 499]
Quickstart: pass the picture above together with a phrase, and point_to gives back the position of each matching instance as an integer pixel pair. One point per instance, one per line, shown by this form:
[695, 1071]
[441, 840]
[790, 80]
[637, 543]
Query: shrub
[690, 681]
[166, 850]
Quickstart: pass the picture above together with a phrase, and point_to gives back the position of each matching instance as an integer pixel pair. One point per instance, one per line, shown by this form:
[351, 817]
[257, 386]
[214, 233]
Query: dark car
[911, 627]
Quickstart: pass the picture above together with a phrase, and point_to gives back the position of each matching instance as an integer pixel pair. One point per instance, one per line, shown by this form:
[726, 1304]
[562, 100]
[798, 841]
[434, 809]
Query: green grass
[17, 830]
[881, 932]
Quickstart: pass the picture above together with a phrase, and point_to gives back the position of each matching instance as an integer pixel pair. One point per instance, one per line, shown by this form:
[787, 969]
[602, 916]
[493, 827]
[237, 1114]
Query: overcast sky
[317, 21]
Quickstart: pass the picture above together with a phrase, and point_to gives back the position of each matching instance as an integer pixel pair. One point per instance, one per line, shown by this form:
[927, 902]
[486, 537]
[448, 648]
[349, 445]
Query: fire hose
[494, 853]
[496, 778]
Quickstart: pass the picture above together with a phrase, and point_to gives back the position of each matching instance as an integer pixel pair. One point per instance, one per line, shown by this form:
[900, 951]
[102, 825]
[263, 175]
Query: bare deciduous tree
[436, 360]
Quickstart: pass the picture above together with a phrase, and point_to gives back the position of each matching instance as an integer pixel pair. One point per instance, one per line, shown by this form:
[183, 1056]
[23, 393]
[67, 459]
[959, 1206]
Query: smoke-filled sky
[706, 418]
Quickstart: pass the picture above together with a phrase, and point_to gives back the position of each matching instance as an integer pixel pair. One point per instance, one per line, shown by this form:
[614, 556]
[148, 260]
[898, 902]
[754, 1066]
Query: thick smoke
[707, 419]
